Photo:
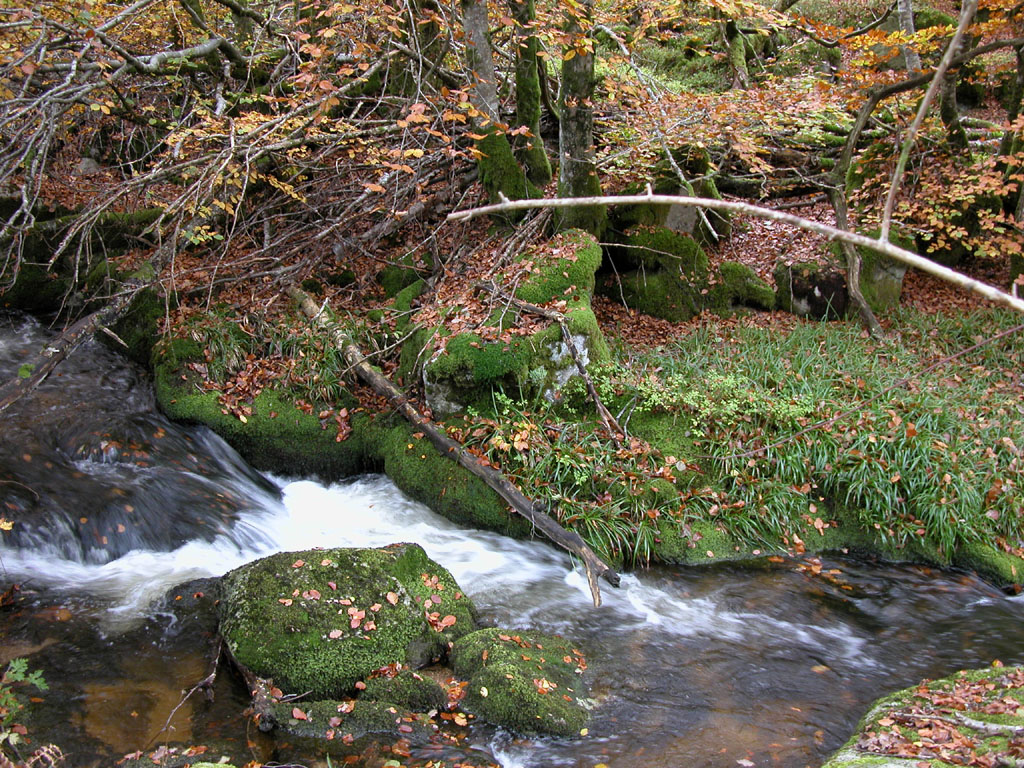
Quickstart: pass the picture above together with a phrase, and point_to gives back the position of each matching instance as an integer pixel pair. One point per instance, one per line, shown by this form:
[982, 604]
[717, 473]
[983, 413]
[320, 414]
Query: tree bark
[480, 58]
[499, 171]
[905, 12]
[577, 172]
[568, 540]
[529, 147]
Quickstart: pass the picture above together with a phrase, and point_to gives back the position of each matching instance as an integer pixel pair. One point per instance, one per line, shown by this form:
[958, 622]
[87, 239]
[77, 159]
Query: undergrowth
[786, 430]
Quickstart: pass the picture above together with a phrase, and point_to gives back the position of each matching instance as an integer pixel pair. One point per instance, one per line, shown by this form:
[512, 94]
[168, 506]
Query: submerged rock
[320, 621]
[970, 718]
[527, 682]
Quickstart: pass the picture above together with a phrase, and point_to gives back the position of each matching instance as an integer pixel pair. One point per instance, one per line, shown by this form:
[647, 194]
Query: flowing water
[767, 662]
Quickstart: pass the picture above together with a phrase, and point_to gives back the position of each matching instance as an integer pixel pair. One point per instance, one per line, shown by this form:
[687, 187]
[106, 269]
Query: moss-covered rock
[897, 731]
[881, 278]
[395, 277]
[416, 466]
[467, 368]
[739, 286]
[528, 682]
[407, 690]
[276, 435]
[661, 273]
[330, 720]
[323, 620]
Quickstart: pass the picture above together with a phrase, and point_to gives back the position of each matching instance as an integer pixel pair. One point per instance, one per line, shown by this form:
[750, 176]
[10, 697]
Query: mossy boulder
[323, 620]
[327, 722]
[661, 273]
[738, 286]
[942, 722]
[419, 470]
[881, 277]
[399, 275]
[528, 682]
[276, 434]
[407, 690]
[465, 369]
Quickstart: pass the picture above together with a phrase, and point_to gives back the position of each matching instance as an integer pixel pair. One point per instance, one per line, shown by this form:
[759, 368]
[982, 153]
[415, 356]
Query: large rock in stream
[324, 620]
[970, 718]
[349, 627]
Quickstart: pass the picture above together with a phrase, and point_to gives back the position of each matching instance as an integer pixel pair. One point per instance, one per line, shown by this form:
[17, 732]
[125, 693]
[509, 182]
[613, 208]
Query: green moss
[739, 285]
[1002, 568]
[276, 434]
[927, 16]
[881, 278]
[660, 295]
[500, 173]
[330, 720]
[471, 368]
[406, 690]
[287, 616]
[576, 259]
[416, 466]
[396, 277]
[670, 251]
[139, 326]
[700, 541]
[36, 289]
[520, 680]
[996, 683]
[670, 280]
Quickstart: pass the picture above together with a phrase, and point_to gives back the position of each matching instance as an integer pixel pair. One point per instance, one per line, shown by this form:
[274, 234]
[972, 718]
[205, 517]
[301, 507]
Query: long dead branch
[832, 233]
[568, 540]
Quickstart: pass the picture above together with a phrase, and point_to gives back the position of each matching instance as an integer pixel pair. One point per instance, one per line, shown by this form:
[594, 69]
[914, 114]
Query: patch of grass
[931, 461]
[772, 440]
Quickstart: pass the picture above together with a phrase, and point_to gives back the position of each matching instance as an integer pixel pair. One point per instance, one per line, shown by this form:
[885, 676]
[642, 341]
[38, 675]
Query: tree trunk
[480, 58]
[905, 11]
[950, 113]
[737, 55]
[500, 173]
[577, 173]
[529, 147]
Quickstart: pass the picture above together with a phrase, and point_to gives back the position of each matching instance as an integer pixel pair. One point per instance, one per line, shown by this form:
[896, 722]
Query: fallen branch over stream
[832, 233]
[568, 540]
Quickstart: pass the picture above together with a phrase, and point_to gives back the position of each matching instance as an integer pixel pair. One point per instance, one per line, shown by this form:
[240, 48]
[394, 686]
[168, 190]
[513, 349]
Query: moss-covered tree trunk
[737, 43]
[500, 173]
[529, 146]
[577, 172]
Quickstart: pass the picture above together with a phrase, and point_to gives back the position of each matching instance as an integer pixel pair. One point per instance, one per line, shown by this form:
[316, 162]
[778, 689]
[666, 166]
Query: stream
[771, 662]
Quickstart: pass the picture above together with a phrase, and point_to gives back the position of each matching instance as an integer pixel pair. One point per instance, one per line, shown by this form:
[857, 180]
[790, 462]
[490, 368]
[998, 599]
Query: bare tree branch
[832, 233]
